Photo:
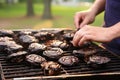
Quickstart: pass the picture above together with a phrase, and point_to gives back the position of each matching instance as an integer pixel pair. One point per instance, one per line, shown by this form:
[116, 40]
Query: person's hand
[91, 33]
[83, 18]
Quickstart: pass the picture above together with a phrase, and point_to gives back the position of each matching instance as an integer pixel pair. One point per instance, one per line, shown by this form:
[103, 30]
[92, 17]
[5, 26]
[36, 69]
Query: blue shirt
[112, 16]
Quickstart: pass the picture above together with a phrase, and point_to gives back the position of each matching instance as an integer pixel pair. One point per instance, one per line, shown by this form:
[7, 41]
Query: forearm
[98, 7]
[115, 30]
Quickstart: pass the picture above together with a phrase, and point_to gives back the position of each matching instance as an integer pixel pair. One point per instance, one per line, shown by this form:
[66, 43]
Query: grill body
[14, 71]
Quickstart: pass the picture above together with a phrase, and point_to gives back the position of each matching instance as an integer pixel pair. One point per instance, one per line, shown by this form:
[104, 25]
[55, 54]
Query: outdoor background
[37, 14]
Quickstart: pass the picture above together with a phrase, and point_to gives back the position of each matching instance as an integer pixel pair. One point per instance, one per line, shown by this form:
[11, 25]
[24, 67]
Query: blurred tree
[47, 9]
[9, 1]
[30, 11]
[34, 1]
[1, 3]
[22, 0]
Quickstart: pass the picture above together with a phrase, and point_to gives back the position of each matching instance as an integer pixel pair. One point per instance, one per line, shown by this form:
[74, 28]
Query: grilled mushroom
[26, 40]
[60, 44]
[36, 48]
[53, 53]
[24, 32]
[68, 36]
[13, 47]
[34, 59]
[68, 60]
[51, 68]
[17, 57]
[97, 61]
[3, 39]
[43, 36]
[85, 52]
[3, 45]
[8, 33]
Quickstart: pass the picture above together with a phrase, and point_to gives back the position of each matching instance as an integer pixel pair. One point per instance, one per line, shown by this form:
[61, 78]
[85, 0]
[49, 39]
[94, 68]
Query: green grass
[62, 16]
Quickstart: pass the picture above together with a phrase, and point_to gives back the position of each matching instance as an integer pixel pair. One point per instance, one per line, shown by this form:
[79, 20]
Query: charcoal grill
[14, 71]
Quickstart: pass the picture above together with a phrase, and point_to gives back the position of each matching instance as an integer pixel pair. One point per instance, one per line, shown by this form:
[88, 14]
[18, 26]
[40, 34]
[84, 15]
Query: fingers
[84, 40]
[80, 22]
[82, 36]
[76, 38]
[77, 20]
[85, 22]
[81, 41]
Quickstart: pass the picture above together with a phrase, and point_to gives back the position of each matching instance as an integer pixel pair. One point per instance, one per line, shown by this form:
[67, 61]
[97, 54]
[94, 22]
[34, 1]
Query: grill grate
[13, 70]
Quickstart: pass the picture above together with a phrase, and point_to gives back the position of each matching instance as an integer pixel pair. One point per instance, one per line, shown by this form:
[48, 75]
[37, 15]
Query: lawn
[14, 17]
